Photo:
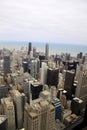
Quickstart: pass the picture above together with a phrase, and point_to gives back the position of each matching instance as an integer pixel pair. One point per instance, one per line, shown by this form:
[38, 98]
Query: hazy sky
[62, 21]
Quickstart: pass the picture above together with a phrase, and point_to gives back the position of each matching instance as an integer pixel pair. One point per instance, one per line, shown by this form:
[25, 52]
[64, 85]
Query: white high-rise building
[53, 92]
[34, 68]
[44, 73]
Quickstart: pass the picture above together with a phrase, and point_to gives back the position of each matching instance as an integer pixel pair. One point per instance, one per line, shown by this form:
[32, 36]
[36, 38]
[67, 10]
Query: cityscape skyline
[40, 47]
[44, 21]
[42, 91]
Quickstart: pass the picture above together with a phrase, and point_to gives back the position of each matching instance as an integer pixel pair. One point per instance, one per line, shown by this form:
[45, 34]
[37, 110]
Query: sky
[59, 21]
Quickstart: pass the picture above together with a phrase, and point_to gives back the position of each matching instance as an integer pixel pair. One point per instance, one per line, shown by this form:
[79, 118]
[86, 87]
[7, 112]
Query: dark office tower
[52, 77]
[3, 122]
[72, 65]
[25, 66]
[80, 55]
[29, 48]
[6, 65]
[68, 85]
[36, 88]
[76, 106]
[68, 57]
[46, 51]
[41, 58]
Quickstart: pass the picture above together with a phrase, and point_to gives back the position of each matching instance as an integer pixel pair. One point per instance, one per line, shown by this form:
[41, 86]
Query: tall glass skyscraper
[47, 51]
[29, 48]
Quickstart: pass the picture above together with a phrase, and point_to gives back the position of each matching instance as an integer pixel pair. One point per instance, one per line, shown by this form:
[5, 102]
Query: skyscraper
[29, 48]
[39, 116]
[19, 102]
[52, 76]
[34, 52]
[85, 58]
[34, 68]
[9, 112]
[57, 104]
[36, 88]
[43, 74]
[81, 90]
[80, 55]
[32, 117]
[47, 51]
[6, 65]
[69, 80]
[41, 58]
[76, 106]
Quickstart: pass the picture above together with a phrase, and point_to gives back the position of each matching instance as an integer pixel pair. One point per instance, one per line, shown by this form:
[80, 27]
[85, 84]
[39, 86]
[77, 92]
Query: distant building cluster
[39, 91]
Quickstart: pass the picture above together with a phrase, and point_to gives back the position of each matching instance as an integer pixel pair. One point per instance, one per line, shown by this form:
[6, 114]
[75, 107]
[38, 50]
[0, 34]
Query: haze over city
[56, 21]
